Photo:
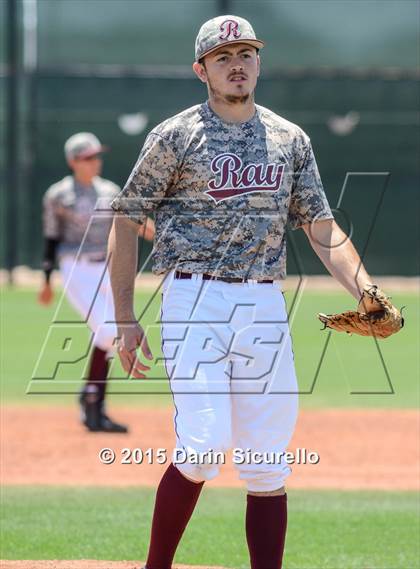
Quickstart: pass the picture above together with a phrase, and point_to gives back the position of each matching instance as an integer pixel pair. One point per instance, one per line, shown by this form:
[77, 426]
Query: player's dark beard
[237, 99]
[231, 99]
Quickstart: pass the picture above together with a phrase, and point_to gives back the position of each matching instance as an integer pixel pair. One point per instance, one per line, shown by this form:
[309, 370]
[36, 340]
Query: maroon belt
[206, 277]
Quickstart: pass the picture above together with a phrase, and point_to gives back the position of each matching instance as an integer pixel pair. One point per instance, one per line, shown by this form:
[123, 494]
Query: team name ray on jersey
[232, 179]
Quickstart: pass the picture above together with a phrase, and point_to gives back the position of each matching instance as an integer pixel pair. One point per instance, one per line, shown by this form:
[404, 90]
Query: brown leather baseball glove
[375, 316]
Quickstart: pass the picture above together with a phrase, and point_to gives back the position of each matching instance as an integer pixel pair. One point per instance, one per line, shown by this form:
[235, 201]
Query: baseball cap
[83, 145]
[224, 30]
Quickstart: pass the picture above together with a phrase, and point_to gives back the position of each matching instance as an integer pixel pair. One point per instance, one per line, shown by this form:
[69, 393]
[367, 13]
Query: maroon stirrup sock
[98, 371]
[176, 498]
[266, 522]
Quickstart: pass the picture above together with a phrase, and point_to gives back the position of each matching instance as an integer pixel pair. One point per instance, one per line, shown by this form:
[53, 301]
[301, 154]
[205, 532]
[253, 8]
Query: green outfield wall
[347, 72]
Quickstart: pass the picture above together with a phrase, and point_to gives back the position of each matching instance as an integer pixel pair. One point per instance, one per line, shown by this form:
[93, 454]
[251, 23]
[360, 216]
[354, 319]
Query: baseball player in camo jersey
[77, 219]
[222, 179]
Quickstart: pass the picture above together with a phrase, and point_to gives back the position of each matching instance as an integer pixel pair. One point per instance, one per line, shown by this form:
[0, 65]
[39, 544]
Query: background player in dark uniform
[77, 219]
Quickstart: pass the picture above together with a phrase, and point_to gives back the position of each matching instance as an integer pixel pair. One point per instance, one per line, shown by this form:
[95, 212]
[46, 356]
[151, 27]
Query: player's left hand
[375, 316]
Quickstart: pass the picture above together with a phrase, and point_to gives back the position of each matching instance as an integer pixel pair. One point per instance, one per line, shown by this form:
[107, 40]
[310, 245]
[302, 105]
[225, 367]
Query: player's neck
[233, 113]
[85, 181]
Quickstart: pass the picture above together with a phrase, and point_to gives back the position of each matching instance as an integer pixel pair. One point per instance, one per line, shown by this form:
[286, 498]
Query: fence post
[12, 133]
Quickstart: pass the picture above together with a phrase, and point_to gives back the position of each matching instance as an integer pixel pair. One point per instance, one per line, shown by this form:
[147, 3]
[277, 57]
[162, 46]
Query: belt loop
[168, 279]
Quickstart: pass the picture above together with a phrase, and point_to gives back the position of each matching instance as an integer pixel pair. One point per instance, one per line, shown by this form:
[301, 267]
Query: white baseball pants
[88, 289]
[228, 355]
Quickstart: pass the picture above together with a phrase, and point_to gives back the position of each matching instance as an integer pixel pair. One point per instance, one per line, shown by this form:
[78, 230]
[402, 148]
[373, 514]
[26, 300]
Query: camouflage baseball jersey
[68, 211]
[222, 193]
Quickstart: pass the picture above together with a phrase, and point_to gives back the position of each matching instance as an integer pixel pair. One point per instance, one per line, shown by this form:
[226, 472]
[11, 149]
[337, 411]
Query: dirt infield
[358, 449]
[86, 564]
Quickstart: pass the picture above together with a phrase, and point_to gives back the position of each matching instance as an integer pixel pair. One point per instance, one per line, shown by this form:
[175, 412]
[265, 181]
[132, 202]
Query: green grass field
[326, 529]
[354, 373]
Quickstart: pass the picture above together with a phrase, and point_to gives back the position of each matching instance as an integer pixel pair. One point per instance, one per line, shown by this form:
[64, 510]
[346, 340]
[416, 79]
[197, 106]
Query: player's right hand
[46, 295]
[131, 337]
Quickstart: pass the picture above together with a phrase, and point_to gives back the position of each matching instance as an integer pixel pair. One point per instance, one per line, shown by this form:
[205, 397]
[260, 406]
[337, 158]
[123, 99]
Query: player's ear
[71, 163]
[258, 64]
[200, 70]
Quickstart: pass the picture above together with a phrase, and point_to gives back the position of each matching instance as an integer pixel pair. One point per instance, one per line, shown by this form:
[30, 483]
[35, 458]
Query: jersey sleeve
[152, 176]
[308, 200]
[50, 217]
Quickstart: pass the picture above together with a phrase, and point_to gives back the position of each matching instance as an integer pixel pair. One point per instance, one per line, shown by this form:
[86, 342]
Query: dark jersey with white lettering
[222, 193]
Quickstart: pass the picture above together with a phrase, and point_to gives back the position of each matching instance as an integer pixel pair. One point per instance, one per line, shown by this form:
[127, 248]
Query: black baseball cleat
[110, 426]
[93, 415]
